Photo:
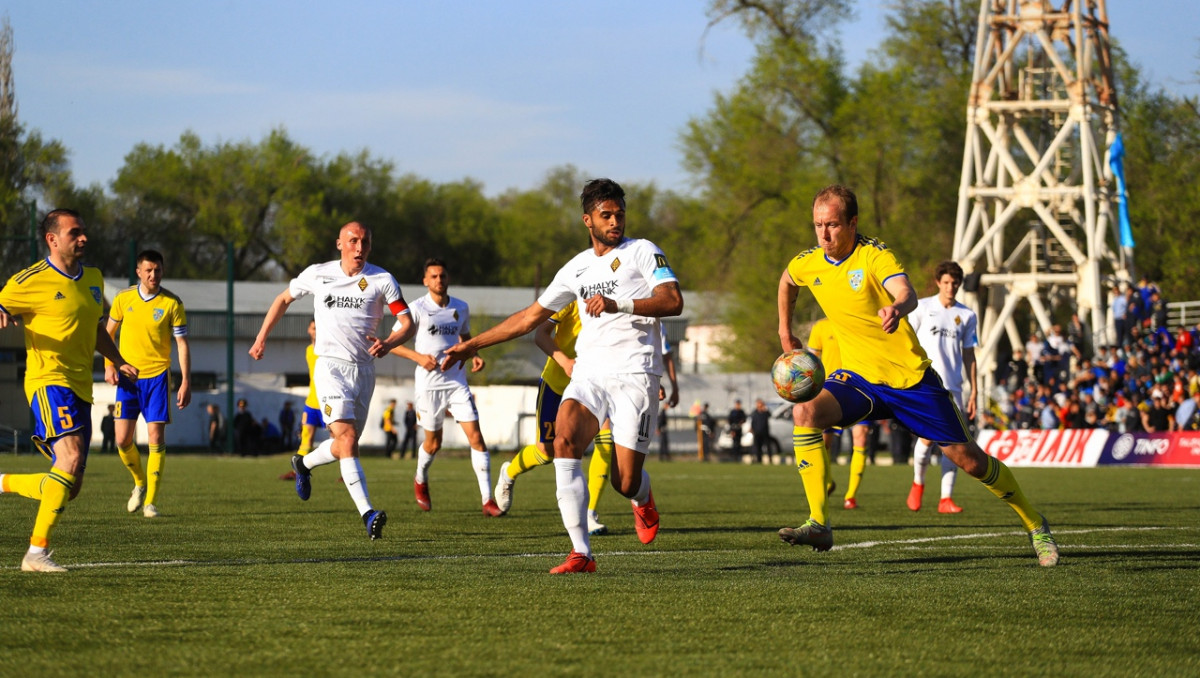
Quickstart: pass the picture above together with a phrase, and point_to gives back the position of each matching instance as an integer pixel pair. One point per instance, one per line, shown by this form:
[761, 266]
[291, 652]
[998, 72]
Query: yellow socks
[154, 467]
[24, 484]
[810, 461]
[133, 462]
[858, 462]
[828, 470]
[598, 468]
[1000, 481]
[56, 487]
[306, 438]
[529, 457]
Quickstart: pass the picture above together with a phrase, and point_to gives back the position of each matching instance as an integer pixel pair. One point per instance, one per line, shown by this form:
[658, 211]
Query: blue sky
[500, 92]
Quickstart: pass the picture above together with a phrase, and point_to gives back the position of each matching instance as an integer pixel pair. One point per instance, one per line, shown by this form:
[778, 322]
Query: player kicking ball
[865, 292]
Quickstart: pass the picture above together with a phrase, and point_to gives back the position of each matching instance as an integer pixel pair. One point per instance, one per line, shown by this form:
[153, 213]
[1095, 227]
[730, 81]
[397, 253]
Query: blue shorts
[547, 408]
[149, 397]
[927, 409]
[311, 416]
[58, 411]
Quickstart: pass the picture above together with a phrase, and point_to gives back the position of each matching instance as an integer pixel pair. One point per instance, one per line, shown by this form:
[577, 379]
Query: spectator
[1158, 417]
[287, 425]
[737, 421]
[1119, 305]
[246, 430]
[108, 431]
[707, 425]
[760, 427]
[216, 429]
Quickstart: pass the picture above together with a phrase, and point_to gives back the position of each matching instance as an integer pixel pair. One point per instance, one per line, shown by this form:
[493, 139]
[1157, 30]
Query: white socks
[322, 455]
[424, 459]
[481, 461]
[643, 493]
[572, 502]
[949, 470]
[921, 454]
[356, 484]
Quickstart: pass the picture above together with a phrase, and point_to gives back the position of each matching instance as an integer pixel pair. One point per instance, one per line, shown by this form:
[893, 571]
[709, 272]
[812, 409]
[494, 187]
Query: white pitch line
[901, 543]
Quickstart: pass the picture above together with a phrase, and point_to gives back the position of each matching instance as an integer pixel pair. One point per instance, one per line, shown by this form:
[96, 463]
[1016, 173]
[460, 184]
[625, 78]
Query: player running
[623, 285]
[60, 302]
[350, 295]
[443, 321]
[148, 317]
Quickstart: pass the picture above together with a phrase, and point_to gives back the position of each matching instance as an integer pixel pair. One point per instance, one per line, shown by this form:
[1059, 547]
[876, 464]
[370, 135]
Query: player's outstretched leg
[999, 480]
[858, 463]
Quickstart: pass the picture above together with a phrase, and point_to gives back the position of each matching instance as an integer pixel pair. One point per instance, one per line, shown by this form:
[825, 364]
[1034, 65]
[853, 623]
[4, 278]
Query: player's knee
[627, 487]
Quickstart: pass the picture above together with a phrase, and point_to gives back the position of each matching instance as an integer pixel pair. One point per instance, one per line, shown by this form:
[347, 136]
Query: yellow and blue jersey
[567, 323]
[61, 315]
[310, 357]
[148, 327]
[822, 338]
[851, 292]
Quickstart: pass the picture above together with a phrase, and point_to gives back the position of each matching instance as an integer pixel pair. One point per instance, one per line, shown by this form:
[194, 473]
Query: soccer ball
[798, 376]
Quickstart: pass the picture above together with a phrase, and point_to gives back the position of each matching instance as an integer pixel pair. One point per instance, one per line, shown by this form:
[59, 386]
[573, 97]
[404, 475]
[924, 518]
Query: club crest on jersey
[158, 314]
[856, 279]
[957, 320]
[96, 294]
[362, 284]
[615, 264]
[455, 314]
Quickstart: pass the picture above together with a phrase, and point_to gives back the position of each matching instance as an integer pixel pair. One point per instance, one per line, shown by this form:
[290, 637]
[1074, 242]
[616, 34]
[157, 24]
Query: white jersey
[347, 308]
[439, 328]
[945, 333]
[613, 343]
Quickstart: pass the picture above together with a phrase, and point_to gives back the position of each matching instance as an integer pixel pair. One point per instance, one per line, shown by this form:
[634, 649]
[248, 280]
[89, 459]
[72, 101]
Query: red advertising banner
[1060, 448]
[1082, 448]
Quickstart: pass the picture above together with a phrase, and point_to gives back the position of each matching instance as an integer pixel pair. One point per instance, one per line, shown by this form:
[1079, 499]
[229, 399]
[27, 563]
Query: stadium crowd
[1148, 380]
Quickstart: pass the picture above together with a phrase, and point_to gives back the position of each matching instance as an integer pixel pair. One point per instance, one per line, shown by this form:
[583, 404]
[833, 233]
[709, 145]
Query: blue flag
[1116, 160]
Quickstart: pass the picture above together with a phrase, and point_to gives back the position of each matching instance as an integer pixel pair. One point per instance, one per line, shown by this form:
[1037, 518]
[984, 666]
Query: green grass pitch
[239, 577]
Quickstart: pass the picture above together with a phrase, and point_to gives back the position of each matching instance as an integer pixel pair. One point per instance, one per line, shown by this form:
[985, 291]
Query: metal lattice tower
[1037, 200]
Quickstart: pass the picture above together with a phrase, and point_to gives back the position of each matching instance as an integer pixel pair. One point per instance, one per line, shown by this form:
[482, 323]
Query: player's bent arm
[904, 301]
[665, 300]
[106, 347]
[543, 336]
[788, 290]
[520, 323]
[669, 360]
[110, 371]
[278, 308]
[970, 366]
[184, 395]
[401, 333]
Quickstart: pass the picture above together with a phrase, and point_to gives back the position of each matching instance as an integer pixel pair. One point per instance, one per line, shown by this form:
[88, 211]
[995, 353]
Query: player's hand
[6, 320]
[111, 375]
[258, 349]
[428, 362]
[971, 407]
[377, 347]
[184, 396]
[889, 318]
[599, 304]
[129, 372]
[674, 399]
[477, 363]
[454, 355]
[790, 342]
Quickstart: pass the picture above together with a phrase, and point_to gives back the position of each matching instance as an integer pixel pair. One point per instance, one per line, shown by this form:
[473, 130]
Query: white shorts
[344, 389]
[431, 407]
[629, 400]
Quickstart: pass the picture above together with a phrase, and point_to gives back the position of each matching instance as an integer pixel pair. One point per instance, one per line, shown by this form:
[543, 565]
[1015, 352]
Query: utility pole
[1037, 199]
